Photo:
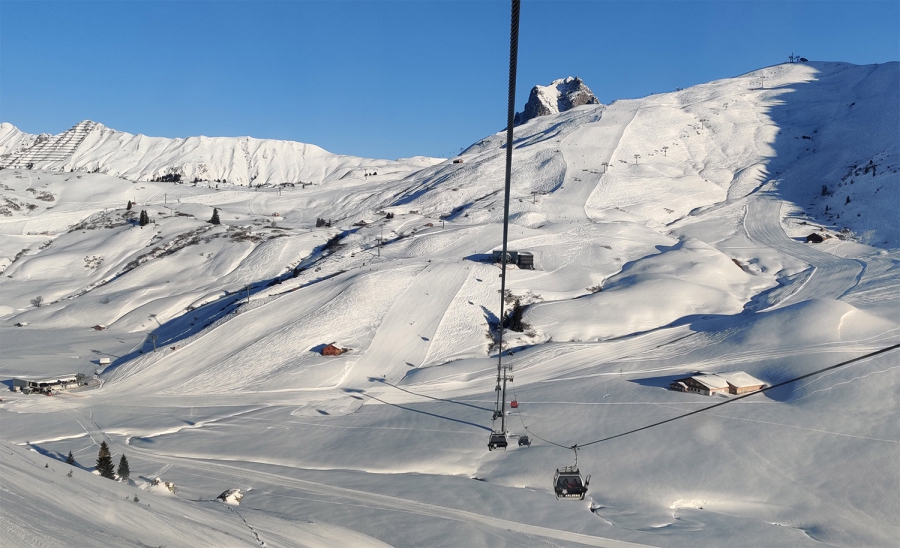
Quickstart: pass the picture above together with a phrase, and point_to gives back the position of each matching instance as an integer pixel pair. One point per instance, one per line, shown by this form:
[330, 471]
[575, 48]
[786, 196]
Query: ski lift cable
[500, 406]
[525, 426]
[720, 404]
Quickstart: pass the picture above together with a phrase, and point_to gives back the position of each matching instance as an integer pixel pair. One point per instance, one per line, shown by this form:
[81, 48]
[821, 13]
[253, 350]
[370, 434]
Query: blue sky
[387, 79]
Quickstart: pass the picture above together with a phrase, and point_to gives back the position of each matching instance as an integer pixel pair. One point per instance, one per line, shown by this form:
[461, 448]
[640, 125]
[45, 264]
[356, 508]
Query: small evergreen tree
[70, 458]
[215, 217]
[848, 200]
[104, 462]
[123, 472]
[128, 207]
[144, 218]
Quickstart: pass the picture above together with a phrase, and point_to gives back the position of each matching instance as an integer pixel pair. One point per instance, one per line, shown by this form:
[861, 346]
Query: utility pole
[605, 166]
[664, 149]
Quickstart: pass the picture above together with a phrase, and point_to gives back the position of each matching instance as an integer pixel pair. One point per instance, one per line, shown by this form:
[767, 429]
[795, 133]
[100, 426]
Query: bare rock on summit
[559, 96]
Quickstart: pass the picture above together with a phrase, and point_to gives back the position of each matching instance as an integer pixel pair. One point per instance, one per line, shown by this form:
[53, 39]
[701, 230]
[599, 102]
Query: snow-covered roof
[740, 379]
[59, 378]
[711, 381]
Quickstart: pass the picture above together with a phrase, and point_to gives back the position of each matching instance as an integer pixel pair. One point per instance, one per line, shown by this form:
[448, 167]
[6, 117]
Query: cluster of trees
[513, 321]
[167, 178]
[105, 465]
[322, 222]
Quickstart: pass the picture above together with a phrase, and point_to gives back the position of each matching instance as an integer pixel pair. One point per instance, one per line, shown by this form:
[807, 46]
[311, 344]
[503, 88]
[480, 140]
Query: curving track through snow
[831, 277]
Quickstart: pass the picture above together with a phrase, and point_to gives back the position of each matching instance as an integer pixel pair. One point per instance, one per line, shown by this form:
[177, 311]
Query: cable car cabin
[497, 440]
[514, 404]
[568, 483]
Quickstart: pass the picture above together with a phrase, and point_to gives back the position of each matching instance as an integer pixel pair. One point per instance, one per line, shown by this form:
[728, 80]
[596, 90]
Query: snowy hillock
[669, 238]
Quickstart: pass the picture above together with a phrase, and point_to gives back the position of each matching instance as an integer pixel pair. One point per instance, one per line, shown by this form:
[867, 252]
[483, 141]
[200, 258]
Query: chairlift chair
[569, 484]
[498, 440]
[524, 441]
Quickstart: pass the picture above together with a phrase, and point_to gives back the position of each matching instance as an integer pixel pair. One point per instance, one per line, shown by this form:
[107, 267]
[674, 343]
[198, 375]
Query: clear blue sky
[387, 79]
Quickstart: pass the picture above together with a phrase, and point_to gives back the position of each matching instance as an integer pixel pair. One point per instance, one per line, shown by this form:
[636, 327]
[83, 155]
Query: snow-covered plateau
[669, 236]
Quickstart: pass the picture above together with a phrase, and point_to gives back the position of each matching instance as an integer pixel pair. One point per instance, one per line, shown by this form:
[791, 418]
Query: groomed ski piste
[668, 235]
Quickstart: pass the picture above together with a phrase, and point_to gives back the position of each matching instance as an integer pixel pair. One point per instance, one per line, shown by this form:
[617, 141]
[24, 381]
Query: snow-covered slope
[669, 237]
[243, 161]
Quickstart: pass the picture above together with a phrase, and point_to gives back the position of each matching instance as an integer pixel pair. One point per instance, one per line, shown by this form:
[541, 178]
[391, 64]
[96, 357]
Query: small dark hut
[815, 238]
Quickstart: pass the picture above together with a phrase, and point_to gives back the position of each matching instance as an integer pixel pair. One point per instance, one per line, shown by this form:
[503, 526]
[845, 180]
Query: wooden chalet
[815, 238]
[332, 350]
[701, 384]
[734, 382]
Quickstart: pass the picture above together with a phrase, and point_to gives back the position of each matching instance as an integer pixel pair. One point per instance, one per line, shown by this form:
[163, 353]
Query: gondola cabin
[514, 404]
[568, 483]
[497, 440]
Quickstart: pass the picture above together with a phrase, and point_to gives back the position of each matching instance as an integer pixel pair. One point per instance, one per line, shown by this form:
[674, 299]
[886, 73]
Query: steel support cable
[500, 406]
[720, 404]
[525, 426]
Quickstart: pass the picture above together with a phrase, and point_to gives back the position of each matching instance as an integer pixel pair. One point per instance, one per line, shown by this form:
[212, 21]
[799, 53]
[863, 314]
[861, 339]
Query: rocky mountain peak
[559, 96]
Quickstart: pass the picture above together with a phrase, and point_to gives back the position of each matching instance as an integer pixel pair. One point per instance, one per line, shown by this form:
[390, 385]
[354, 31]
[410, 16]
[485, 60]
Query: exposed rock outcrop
[560, 96]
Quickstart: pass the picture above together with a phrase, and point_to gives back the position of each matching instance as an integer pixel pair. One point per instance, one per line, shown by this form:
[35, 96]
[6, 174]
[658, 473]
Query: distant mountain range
[94, 148]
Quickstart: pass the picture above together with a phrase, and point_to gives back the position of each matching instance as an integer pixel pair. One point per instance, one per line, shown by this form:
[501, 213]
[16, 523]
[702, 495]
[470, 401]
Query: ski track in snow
[832, 277]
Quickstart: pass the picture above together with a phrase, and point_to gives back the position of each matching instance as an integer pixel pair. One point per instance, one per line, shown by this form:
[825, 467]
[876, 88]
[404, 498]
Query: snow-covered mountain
[669, 238]
[243, 161]
[560, 96]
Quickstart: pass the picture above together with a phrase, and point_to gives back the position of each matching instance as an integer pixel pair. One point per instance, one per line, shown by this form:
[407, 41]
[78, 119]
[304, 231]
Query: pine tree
[123, 472]
[104, 462]
[70, 458]
[215, 216]
[144, 218]
[128, 208]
